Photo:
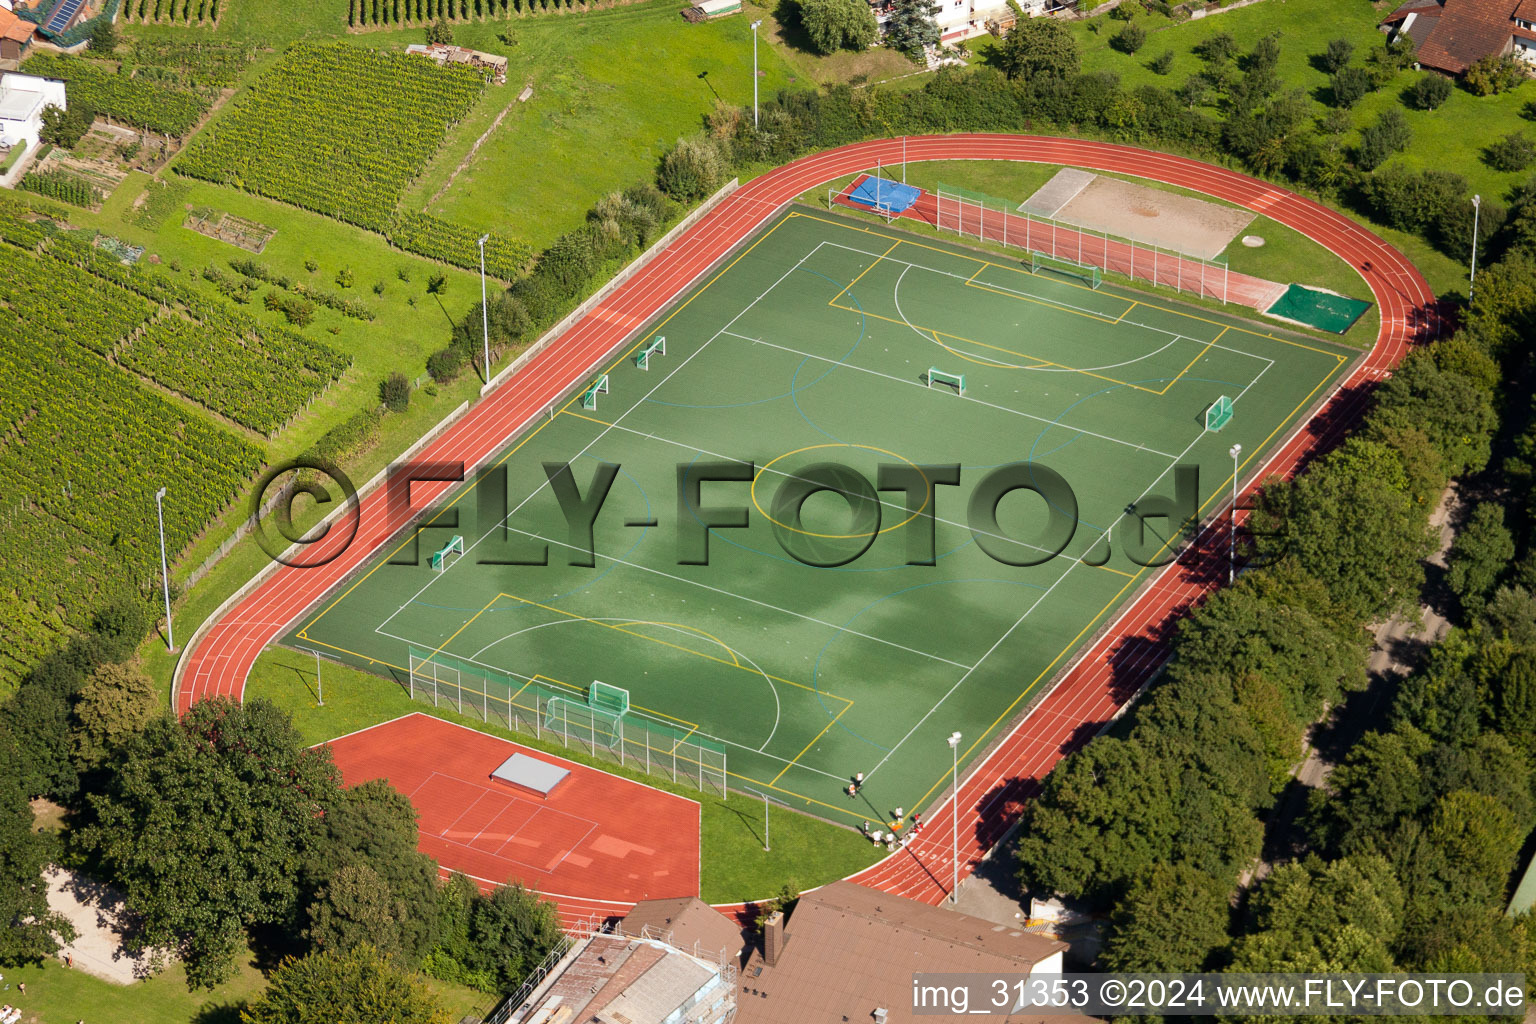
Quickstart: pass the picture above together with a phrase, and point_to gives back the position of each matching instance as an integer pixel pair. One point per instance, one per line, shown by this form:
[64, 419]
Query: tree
[201, 826]
[1481, 552]
[113, 706]
[372, 826]
[395, 392]
[834, 25]
[1265, 56]
[513, 930]
[440, 32]
[103, 36]
[356, 907]
[1511, 614]
[1311, 916]
[1338, 53]
[1466, 854]
[1172, 918]
[1130, 38]
[1378, 787]
[1349, 523]
[1514, 152]
[32, 932]
[1350, 85]
[1388, 134]
[1455, 413]
[693, 169]
[1428, 91]
[357, 986]
[1039, 48]
[1493, 74]
[911, 29]
[1162, 63]
[1217, 49]
[65, 128]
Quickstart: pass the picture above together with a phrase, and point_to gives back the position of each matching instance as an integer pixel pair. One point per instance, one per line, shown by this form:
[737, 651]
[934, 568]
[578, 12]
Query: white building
[22, 99]
[959, 20]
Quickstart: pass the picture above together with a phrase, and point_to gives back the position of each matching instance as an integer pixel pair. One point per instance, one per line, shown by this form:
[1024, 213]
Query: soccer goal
[597, 387]
[1084, 272]
[608, 697]
[657, 346]
[1219, 414]
[449, 553]
[577, 719]
[953, 380]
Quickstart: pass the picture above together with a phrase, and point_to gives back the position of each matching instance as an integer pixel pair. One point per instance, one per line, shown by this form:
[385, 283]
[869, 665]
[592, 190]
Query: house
[15, 35]
[611, 977]
[959, 20]
[444, 53]
[22, 99]
[848, 953]
[690, 924]
[1452, 35]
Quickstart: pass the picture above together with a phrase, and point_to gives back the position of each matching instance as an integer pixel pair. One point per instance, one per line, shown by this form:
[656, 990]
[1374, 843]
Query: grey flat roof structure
[531, 774]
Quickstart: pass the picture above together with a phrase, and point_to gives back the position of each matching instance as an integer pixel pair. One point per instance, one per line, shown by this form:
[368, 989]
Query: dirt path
[470, 156]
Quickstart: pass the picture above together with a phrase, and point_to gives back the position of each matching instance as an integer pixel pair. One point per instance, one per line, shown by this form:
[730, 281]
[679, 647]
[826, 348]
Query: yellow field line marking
[983, 361]
[866, 270]
[796, 759]
[542, 424]
[1082, 287]
[687, 650]
[1122, 316]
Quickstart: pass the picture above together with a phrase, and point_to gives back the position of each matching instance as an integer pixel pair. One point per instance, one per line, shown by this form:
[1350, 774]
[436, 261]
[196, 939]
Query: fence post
[434, 685]
[1226, 273]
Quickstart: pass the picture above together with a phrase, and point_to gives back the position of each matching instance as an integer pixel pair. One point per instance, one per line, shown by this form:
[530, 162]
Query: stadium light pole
[1234, 451]
[1477, 208]
[485, 314]
[319, 688]
[165, 572]
[954, 818]
[755, 25]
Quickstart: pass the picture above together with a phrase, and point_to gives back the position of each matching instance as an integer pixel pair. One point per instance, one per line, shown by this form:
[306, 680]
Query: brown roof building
[15, 35]
[848, 952]
[689, 924]
[1452, 35]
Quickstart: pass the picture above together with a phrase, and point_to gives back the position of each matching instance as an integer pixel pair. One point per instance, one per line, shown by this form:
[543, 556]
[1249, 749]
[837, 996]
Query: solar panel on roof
[58, 21]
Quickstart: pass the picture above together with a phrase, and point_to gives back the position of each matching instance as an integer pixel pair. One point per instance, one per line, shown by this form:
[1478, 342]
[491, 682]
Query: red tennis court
[595, 835]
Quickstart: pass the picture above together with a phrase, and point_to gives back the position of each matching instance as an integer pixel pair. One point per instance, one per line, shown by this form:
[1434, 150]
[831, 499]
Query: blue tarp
[884, 194]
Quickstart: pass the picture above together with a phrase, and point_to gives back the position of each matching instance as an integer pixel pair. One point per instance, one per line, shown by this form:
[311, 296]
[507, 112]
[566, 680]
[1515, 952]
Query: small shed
[718, 8]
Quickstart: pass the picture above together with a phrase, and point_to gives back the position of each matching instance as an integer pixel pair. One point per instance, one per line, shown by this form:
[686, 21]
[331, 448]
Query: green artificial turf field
[814, 346]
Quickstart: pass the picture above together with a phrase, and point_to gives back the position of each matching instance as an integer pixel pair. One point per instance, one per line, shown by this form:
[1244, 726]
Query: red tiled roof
[1526, 11]
[12, 27]
[1423, 8]
[1468, 31]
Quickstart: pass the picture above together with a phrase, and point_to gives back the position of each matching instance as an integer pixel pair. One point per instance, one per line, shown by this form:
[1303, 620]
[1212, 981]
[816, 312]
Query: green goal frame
[656, 346]
[608, 697]
[438, 560]
[1219, 414]
[597, 387]
[580, 719]
[954, 380]
[1084, 272]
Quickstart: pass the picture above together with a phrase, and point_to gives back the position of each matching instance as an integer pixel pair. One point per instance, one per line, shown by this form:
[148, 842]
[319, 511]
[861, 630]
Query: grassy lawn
[1451, 138]
[613, 91]
[782, 31]
[59, 995]
[1286, 257]
[805, 850]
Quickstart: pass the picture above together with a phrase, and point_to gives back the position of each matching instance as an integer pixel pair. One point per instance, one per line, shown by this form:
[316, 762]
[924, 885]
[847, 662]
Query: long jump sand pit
[1124, 208]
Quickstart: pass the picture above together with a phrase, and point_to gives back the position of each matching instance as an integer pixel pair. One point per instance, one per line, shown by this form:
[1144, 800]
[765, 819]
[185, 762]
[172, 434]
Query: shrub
[311, 266]
[440, 31]
[834, 25]
[692, 170]
[1514, 152]
[344, 277]
[395, 392]
[1162, 63]
[378, 287]
[437, 284]
[1428, 91]
[65, 128]
[1218, 49]
[1388, 134]
[1129, 39]
[445, 364]
[1337, 55]
[1350, 85]
[103, 36]
[1493, 74]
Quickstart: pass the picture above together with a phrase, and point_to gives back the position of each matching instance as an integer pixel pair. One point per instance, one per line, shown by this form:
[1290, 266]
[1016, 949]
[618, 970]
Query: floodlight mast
[165, 572]
[755, 25]
[485, 313]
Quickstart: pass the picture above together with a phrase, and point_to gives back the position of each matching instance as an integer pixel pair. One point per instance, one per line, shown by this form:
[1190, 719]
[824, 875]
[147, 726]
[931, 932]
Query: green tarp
[1315, 308]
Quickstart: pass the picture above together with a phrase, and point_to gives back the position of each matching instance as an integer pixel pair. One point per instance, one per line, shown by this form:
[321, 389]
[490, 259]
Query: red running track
[1103, 677]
